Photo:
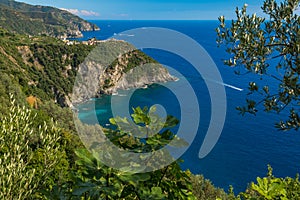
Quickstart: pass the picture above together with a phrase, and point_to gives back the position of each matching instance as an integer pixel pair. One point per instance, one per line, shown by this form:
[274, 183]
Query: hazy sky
[151, 9]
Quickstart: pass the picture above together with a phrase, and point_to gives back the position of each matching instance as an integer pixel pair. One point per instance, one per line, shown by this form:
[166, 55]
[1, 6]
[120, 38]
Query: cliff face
[132, 70]
[27, 19]
[113, 66]
[48, 68]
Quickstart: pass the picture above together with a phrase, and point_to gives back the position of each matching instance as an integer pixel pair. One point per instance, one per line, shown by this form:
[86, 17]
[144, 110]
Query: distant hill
[27, 19]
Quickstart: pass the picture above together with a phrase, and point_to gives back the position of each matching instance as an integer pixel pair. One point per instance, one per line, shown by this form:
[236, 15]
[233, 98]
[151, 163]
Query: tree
[203, 189]
[271, 187]
[267, 47]
[29, 156]
[93, 180]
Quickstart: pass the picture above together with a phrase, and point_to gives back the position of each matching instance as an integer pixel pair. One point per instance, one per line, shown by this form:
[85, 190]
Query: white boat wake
[227, 85]
[233, 87]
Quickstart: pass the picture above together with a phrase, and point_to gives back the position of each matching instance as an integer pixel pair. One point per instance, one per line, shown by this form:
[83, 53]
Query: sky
[151, 9]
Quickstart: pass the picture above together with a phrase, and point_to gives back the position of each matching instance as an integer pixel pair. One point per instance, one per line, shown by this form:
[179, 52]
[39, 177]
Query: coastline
[74, 103]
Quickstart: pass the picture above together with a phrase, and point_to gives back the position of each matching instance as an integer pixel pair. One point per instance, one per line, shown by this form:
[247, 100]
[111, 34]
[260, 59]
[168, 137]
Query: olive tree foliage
[28, 155]
[267, 46]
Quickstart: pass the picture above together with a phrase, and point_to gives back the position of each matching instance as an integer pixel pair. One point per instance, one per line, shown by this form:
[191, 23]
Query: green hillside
[40, 66]
[46, 67]
[23, 18]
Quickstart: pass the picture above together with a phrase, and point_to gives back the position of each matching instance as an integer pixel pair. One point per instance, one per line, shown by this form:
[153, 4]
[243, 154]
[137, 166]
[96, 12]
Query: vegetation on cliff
[43, 67]
[41, 159]
[115, 65]
[32, 20]
[46, 68]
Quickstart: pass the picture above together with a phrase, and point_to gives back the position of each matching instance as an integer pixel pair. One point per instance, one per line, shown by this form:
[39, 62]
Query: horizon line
[154, 19]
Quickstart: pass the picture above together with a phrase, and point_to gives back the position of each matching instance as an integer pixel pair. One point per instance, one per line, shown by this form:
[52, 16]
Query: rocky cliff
[116, 65]
[48, 68]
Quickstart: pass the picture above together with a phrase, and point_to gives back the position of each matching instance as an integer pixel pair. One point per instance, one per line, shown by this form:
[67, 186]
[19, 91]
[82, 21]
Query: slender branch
[107, 183]
[280, 55]
[281, 109]
[275, 77]
[137, 195]
[278, 44]
[264, 99]
[163, 175]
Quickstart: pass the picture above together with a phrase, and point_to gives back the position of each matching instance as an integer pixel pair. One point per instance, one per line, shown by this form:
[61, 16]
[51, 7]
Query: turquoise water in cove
[247, 144]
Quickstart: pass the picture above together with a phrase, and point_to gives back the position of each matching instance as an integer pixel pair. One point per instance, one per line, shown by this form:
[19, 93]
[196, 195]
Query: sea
[247, 143]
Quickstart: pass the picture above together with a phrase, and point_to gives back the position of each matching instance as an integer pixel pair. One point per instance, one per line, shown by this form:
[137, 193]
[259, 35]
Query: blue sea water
[247, 143]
